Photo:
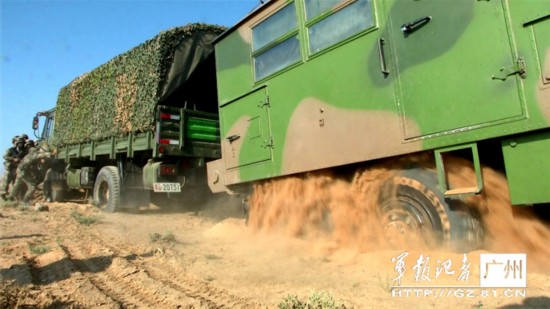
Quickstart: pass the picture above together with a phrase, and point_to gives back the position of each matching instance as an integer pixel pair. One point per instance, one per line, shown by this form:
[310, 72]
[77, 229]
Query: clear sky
[46, 44]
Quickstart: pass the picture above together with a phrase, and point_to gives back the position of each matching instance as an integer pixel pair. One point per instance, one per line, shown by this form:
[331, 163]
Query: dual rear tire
[415, 212]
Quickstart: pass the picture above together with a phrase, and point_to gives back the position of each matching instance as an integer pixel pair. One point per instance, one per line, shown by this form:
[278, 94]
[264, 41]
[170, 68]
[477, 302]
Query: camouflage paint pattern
[468, 71]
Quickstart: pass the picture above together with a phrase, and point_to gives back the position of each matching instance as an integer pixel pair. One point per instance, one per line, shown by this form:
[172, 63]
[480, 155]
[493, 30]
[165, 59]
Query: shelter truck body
[308, 85]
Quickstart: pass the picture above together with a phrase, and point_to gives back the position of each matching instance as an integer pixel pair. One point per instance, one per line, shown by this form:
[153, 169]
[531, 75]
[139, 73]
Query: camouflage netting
[120, 96]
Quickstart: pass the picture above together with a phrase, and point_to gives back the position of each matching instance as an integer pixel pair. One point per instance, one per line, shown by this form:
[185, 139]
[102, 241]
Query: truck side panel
[466, 71]
[528, 167]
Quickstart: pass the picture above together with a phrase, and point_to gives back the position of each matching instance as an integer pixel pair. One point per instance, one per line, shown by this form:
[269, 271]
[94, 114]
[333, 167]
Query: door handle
[382, 57]
[232, 138]
[414, 25]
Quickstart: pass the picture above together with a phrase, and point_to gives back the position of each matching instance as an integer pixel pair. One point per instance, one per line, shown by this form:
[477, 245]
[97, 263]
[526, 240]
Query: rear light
[161, 149]
[166, 116]
[165, 141]
[168, 170]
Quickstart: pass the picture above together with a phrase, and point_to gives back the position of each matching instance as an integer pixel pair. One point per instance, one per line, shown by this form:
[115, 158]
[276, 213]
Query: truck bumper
[216, 176]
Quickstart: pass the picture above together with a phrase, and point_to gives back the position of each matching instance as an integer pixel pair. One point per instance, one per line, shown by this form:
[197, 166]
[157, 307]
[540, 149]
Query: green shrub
[38, 249]
[84, 220]
[212, 256]
[316, 300]
[291, 302]
[166, 238]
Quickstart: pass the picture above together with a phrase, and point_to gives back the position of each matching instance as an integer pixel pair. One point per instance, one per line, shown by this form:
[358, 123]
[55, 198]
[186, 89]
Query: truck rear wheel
[107, 189]
[53, 189]
[415, 212]
[57, 193]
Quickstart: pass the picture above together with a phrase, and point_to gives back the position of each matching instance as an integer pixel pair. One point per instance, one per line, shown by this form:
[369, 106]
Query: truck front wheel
[107, 189]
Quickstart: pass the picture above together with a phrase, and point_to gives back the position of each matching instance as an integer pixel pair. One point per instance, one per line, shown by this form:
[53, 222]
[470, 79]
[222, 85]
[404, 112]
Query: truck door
[455, 64]
[246, 122]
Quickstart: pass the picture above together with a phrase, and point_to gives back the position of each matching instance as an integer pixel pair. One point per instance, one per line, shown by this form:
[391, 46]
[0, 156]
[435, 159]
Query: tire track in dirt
[198, 293]
[82, 272]
[128, 285]
[107, 284]
[63, 284]
[207, 295]
[54, 279]
[133, 280]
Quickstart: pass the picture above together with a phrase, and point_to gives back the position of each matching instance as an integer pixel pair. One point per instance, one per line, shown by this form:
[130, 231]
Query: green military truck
[307, 85]
[144, 123]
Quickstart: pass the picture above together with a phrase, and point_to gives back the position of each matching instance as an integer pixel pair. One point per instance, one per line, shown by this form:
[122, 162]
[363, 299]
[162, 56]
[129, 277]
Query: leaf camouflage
[120, 96]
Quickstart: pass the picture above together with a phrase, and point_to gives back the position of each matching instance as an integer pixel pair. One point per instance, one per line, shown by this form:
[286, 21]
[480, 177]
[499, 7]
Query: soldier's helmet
[15, 139]
[30, 143]
[24, 136]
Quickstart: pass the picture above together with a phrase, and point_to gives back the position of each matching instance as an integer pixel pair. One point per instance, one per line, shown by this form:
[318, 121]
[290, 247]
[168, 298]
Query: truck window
[48, 129]
[331, 21]
[275, 43]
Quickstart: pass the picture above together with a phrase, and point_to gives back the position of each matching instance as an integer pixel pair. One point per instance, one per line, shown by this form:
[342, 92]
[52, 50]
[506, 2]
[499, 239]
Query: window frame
[293, 32]
[330, 12]
[301, 33]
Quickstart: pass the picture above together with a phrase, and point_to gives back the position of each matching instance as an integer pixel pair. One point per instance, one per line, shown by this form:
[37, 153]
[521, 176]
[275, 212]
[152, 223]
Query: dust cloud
[508, 229]
[343, 213]
[316, 206]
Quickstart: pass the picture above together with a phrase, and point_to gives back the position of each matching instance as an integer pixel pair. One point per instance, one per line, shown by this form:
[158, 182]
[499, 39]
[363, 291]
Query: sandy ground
[75, 256]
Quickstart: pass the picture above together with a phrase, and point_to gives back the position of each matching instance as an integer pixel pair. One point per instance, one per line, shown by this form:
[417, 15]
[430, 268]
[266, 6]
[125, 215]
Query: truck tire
[107, 189]
[415, 212]
[57, 193]
[47, 186]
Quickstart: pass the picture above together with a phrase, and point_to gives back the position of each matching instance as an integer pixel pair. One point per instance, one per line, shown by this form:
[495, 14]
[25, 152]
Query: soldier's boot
[10, 198]
[4, 191]
[25, 201]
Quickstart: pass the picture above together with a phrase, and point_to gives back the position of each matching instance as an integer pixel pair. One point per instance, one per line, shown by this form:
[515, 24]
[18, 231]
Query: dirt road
[73, 255]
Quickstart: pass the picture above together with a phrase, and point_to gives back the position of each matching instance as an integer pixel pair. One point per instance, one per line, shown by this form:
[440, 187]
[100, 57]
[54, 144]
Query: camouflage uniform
[12, 158]
[30, 172]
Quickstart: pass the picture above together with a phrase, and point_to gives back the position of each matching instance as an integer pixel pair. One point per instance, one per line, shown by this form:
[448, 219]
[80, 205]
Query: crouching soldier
[12, 158]
[30, 172]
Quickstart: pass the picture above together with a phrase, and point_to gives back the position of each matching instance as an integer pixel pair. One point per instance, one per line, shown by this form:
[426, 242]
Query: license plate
[166, 187]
